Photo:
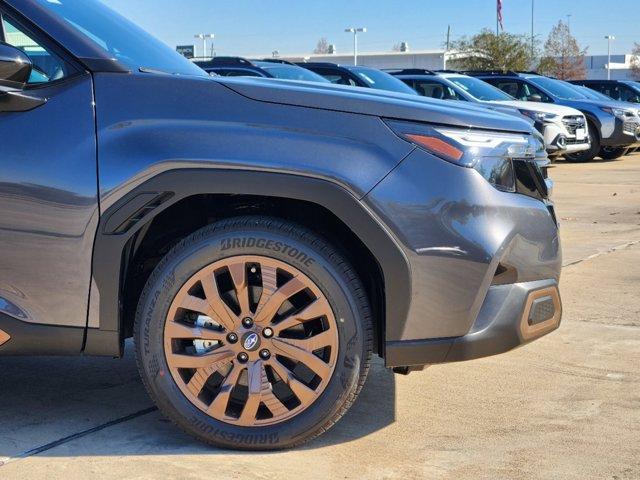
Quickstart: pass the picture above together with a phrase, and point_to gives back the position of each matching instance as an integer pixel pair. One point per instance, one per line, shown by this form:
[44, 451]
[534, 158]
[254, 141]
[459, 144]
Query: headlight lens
[539, 116]
[489, 153]
[618, 112]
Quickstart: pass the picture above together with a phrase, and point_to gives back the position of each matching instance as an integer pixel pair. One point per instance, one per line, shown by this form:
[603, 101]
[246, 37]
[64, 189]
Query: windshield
[558, 88]
[120, 38]
[382, 81]
[480, 90]
[290, 72]
[590, 94]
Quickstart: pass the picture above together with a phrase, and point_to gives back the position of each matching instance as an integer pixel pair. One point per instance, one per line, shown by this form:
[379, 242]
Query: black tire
[612, 153]
[589, 154]
[329, 271]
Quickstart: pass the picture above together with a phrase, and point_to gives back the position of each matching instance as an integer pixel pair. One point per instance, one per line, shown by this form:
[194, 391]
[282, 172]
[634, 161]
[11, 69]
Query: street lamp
[609, 38]
[203, 37]
[355, 32]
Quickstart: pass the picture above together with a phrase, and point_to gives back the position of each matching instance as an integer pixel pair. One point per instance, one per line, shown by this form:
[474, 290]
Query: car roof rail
[317, 64]
[274, 60]
[409, 71]
[226, 61]
[479, 73]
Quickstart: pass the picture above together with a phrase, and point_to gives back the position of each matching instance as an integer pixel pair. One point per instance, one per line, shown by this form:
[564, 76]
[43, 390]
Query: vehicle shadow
[46, 399]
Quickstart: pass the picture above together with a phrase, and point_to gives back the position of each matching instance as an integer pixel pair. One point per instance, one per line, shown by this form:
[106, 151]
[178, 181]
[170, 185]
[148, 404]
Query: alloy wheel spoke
[277, 298]
[218, 308]
[255, 371]
[299, 350]
[182, 360]
[219, 405]
[304, 393]
[177, 330]
[238, 273]
[317, 308]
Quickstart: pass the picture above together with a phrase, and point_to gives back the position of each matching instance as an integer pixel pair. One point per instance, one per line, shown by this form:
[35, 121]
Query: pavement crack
[600, 254]
[75, 436]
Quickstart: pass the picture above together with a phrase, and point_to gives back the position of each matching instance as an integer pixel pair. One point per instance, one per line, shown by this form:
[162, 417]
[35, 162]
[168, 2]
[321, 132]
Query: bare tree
[488, 51]
[635, 61]
[563, 58]
[322, 47]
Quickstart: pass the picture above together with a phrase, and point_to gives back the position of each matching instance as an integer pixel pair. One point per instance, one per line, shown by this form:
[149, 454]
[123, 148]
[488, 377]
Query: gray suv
[614, 127]
[259, 239]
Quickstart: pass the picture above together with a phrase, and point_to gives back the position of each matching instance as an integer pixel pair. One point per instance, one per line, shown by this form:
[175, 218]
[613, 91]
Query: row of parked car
[579, 120]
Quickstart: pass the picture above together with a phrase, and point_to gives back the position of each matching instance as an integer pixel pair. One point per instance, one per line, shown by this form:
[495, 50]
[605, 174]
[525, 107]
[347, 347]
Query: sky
[258, 27]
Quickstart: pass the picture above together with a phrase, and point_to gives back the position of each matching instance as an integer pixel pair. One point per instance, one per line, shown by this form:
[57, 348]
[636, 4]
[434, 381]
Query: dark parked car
[259, 240]
[620, 90]
[357, 76]
[241, 67]
[613, 128]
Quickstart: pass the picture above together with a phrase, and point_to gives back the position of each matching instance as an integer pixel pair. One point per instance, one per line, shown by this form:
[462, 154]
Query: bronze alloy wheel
[251, 340]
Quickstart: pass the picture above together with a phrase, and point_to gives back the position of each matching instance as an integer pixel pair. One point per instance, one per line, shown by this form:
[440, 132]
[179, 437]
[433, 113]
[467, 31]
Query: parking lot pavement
[567, 406]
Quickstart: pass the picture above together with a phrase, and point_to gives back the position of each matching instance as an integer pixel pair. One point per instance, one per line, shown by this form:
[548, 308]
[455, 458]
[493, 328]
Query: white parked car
[564, 129]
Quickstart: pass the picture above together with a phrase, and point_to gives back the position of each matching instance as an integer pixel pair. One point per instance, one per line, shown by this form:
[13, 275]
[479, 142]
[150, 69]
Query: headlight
[489, 153]
[618, 112]
[539, 116]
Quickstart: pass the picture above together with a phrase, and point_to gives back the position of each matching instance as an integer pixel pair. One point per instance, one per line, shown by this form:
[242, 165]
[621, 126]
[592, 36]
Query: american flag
[500, 14]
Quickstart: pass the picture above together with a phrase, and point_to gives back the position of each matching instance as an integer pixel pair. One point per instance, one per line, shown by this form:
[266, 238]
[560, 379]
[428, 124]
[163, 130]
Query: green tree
[563, 58]
[488, 51]
[635, 61]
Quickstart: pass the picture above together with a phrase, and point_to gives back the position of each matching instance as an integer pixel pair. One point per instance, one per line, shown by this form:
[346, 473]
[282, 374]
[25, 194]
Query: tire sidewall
[210, 245]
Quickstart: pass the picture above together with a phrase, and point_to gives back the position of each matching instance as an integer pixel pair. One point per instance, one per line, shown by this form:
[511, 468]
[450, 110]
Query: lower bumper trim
[506, 321]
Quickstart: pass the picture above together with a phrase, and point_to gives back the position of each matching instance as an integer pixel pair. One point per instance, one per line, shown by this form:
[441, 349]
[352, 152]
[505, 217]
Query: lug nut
[247, 322]
[232, 338]
[267, 332]
[243, 357]
[265, 354]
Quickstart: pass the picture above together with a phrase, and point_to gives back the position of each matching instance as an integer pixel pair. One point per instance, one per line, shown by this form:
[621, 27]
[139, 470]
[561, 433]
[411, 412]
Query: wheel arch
[125, 225]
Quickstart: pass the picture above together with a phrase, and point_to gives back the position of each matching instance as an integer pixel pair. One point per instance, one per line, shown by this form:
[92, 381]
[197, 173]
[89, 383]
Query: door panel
[48, 205]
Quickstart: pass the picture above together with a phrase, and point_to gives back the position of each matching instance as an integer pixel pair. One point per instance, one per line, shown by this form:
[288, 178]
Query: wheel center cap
[251, 341]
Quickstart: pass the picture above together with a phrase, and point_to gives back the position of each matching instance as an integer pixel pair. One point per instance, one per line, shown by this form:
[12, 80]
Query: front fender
[131, 213]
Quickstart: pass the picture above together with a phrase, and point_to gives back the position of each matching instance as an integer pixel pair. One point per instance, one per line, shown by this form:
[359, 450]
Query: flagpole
[497, 18]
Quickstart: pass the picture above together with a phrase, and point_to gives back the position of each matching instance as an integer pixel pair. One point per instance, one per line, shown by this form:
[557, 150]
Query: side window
[236, 73]
[435, 90]
[337, 77]
[529, 90]
[613, 92]
[629, 95]
[47, 66]
[511, 88]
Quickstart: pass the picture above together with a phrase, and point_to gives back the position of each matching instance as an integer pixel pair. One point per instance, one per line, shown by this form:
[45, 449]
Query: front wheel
[612, 153]
[591, 152]
[253, 333]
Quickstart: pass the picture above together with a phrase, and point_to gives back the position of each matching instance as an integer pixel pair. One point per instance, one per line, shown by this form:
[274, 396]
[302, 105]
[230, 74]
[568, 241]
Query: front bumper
[511, 316]
[625, 133]
[559, 141]
[475, 254]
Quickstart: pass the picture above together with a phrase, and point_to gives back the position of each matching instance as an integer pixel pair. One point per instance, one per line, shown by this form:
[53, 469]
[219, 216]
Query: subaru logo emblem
[251, 341]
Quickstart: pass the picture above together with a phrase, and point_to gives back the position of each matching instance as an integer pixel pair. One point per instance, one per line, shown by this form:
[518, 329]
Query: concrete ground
[567, 406]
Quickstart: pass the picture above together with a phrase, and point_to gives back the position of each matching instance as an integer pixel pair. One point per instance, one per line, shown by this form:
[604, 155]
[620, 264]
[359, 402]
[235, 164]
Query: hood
[596, 105]
[560, 110]
[367, 101]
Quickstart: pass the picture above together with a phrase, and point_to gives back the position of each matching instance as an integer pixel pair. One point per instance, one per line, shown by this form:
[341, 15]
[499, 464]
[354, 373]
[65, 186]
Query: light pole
[355, 32]
[203, 37]
[609, 38]
[532, 35]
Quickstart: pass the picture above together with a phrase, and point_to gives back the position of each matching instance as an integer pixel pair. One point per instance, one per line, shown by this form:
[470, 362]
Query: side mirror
[534, 98]
[15, 67]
